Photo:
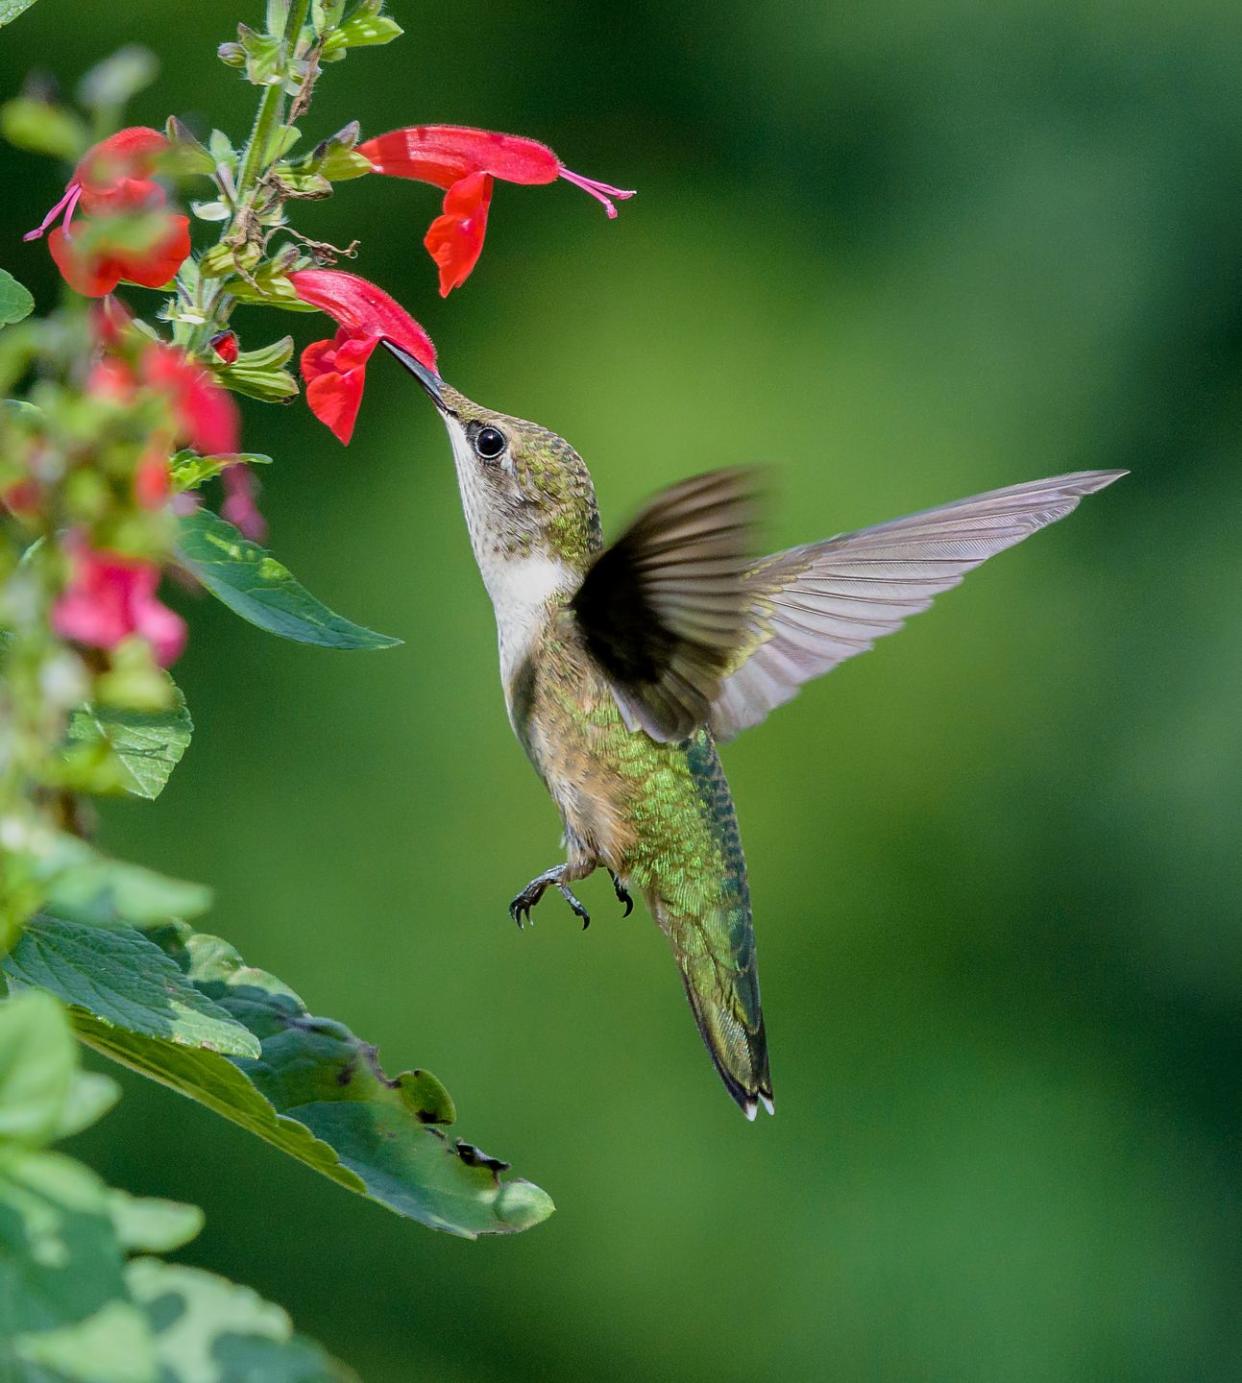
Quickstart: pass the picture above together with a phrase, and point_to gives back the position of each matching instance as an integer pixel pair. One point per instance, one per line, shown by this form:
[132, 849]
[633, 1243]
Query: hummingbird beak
[430, 381]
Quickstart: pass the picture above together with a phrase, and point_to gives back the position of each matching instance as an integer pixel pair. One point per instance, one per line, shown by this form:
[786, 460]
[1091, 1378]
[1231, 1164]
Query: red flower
[335, 371]
[224, 343]
[111, 598]
[114, 178]
[206, 414]
[464, 162]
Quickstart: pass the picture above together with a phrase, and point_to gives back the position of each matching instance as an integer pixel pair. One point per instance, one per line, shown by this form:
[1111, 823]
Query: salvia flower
[114, 178]
[335, 370]
[111, 598]
[465, 162]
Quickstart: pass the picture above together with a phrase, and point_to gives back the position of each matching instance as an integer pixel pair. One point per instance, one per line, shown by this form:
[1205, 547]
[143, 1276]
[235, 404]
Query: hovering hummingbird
[625, 665]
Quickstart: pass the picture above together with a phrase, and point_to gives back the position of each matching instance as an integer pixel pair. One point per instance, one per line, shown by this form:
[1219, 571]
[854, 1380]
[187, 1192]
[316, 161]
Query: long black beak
[430, 381]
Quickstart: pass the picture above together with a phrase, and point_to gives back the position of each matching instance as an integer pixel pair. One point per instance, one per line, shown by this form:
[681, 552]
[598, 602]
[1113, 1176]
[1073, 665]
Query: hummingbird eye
[489, 442]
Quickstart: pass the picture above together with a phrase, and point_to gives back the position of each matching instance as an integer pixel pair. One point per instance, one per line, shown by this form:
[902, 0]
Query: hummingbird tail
[704, 910]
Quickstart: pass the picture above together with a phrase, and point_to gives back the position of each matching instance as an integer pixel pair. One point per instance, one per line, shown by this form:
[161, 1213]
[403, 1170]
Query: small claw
[623, 894]
[576, 904]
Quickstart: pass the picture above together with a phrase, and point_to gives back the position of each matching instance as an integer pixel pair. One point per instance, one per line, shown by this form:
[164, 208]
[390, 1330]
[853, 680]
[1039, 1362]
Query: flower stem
[271, 107]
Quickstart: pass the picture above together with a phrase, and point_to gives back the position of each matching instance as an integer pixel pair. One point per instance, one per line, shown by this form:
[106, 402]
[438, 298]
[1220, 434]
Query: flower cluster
[124, 416]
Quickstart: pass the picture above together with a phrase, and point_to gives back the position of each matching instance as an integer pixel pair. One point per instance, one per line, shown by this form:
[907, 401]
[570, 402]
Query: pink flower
[112, 598]
[464, 162]
[335, 370]
[206, 414]
[114, 178]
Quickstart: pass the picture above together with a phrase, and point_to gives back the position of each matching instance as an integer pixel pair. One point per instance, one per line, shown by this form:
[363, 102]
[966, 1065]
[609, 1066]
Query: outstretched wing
[814, 606]
[664, 609]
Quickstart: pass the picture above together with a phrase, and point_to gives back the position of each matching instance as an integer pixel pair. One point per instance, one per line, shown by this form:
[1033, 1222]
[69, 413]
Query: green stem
[271, 107]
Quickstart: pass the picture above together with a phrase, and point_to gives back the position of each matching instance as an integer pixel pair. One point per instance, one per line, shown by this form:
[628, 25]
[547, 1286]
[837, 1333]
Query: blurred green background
[904, 252]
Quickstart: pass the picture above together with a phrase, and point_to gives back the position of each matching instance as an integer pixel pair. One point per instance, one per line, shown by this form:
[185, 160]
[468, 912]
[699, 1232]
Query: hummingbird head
[526, 492]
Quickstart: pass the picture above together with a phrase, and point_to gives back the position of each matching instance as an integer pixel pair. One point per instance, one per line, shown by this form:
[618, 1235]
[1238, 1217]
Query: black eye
[489, 442]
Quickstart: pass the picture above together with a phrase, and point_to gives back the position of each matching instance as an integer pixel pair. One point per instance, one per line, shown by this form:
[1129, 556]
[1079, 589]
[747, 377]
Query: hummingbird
[625, 664]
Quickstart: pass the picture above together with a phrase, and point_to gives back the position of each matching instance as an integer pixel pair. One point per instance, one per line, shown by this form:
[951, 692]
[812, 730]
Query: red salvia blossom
[111, 598]
[114, 177]
[335, 370]
[206, 414]
[464, 162]
[224, 343]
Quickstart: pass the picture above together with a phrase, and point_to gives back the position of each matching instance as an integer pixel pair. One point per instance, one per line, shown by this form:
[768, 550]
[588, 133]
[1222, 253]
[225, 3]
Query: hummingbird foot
[520, 908]
[623, 894]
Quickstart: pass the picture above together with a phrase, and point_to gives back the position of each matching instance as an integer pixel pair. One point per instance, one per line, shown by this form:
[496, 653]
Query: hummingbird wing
[665, 608]
[813, 607]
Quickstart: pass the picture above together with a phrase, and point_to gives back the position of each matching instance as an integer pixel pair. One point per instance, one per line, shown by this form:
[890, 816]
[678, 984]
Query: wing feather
[813, 607]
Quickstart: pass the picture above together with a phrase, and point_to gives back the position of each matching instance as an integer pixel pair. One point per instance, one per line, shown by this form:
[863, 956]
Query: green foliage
[254, 585]
[10, 9]
[15, 300]
[71, 1306]
[184, 1009]
[131, 752]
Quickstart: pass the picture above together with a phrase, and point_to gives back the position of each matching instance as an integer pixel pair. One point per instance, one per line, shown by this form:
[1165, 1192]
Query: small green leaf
[82, 884]
[15, 299]
[42, 128]
[140, 749]
[189, 470]
[10, 9]
[124, 981]
[254, 585]
[110, 84]
[37, 1067]
[146, 1224]
[90, 1097]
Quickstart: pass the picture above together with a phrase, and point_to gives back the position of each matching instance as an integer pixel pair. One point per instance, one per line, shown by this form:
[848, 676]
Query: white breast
[522, 590]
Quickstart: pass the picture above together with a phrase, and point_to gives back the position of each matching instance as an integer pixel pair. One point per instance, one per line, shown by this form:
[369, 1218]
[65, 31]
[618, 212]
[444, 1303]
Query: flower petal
[455, 238]
[441, 154]
[335, 398]
[364, 308]
[206, 414]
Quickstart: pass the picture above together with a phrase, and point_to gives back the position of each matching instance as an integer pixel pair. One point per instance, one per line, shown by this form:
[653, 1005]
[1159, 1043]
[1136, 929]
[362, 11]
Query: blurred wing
[812, 607]
[664, 610]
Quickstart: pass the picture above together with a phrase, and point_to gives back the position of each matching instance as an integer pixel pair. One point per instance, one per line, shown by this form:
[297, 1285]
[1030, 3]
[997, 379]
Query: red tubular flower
[114, 177]
[224, 343]
[111, 598]
[464, 162]
[335, 370]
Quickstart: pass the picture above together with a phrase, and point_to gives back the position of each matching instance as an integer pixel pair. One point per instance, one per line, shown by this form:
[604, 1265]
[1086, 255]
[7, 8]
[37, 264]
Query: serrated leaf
[125, 981]
[10, 9]
[145, 748]
[15, 300]
[254, 585]
[209, 1330]
[316, 1092]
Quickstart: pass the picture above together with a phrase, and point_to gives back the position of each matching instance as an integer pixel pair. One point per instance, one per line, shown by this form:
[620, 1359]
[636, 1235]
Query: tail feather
[713, 940]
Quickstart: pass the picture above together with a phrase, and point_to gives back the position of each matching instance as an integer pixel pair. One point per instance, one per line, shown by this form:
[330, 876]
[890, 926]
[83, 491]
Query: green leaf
[138, 751]
[125, 981]
[42, 128]
[37, 1067]
[90, 1097]
[110, 84]
[84, 885]
[316, 1091]
[189, 470]
[10, 9]
[210, 1329]
[146, 1224]
[254, 585]
[15, 299]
